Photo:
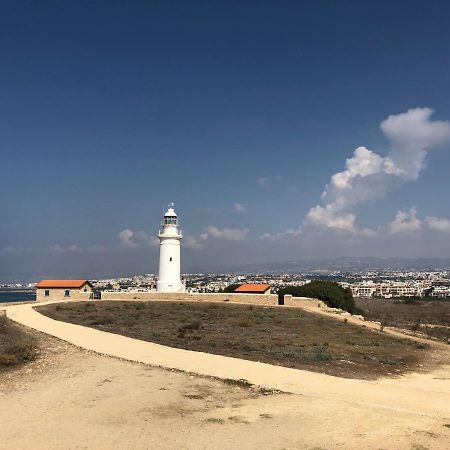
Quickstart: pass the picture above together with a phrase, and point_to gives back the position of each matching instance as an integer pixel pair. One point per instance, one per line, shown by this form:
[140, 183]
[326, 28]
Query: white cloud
[74, 248]
[289, 233]
[369, 176]
[12, 249]
[411, 134]
[142, 238]
[326, 216]
[438, 224]
[153, 241]
[58, 248]
[405, 222]
[192, 242]
[227, 234]
[55, 249]
[132, 239]
[96, 248]
[125, 238]
[266, 182]
[263, 182]
[239, 208]
[363, 163]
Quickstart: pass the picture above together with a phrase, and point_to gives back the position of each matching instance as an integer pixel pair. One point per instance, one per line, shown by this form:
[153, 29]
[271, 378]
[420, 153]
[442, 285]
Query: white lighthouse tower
[169, 279]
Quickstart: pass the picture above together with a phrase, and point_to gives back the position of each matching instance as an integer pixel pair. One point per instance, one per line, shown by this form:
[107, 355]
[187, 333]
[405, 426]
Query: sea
[8, 295]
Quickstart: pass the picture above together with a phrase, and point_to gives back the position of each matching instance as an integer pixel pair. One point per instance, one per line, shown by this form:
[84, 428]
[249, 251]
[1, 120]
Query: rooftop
[256, 288]
[62, 283]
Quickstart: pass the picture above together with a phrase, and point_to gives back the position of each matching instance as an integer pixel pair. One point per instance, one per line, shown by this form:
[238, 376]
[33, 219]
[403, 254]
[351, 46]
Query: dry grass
[286, 337]
[16, 345]
[429, 317]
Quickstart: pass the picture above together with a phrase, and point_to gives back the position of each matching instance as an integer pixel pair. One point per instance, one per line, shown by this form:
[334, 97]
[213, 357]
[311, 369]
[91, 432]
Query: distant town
[377, 284]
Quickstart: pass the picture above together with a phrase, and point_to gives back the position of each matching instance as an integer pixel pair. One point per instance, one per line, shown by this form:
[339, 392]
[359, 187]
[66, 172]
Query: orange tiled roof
[62, 283]
[257, 288]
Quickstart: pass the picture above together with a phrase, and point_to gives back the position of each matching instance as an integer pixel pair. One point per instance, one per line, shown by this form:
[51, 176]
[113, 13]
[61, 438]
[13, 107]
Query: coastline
[20, 295]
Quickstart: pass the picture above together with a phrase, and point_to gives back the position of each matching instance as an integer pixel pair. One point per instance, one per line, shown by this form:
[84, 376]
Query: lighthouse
[169, 279]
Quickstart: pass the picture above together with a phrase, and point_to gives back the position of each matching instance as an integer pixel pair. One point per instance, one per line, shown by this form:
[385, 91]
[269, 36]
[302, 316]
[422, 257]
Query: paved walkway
[416, 394]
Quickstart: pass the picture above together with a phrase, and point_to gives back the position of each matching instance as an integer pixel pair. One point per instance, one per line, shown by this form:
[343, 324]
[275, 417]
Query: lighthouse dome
[170, 217]
[170, 213]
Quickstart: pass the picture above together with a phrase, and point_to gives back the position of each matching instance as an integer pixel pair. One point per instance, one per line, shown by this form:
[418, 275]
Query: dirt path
[70, 398]
[371, 325]
[81, 400]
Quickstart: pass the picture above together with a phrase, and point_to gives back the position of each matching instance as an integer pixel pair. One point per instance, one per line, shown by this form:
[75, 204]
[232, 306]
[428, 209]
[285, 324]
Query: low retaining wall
[303, 301]
[251, 299]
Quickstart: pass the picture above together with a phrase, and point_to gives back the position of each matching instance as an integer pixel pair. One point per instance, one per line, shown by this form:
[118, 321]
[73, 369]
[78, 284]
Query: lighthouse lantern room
[169, 279]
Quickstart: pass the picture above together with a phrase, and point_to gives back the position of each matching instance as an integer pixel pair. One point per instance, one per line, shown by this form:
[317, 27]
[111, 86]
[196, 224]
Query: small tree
[230, 288]
[329, 292]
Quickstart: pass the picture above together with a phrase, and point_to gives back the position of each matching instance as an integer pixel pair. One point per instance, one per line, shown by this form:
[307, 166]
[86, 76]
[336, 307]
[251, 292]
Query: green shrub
[16, 346]
[229, 288]
[189, 328]
[330, 292]
[321, 354]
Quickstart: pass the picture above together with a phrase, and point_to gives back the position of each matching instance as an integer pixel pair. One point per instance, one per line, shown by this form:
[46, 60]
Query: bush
[230, 288]
[321, 354]
[329, 292]
[16, 346]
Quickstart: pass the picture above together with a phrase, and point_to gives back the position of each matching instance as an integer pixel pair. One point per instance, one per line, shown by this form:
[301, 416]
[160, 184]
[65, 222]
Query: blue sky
[108, 112]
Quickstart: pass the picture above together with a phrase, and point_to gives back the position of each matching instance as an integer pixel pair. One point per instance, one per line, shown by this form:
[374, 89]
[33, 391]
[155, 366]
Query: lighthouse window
[170, 258]
[170, 220]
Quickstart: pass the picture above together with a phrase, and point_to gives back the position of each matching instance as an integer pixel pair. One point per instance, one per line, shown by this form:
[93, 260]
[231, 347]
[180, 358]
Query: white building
[365, 289]
[64, 290]
[399, 289]
[389, 289]
[169, 279]
[440, 291]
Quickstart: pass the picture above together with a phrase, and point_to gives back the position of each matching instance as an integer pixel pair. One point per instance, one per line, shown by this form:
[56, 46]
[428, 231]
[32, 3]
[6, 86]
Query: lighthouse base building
[169, 279]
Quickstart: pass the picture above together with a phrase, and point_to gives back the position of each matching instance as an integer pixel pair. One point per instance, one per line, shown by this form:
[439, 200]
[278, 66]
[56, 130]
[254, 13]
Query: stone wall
[254, 299]
[303, 301]
[58, 294]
